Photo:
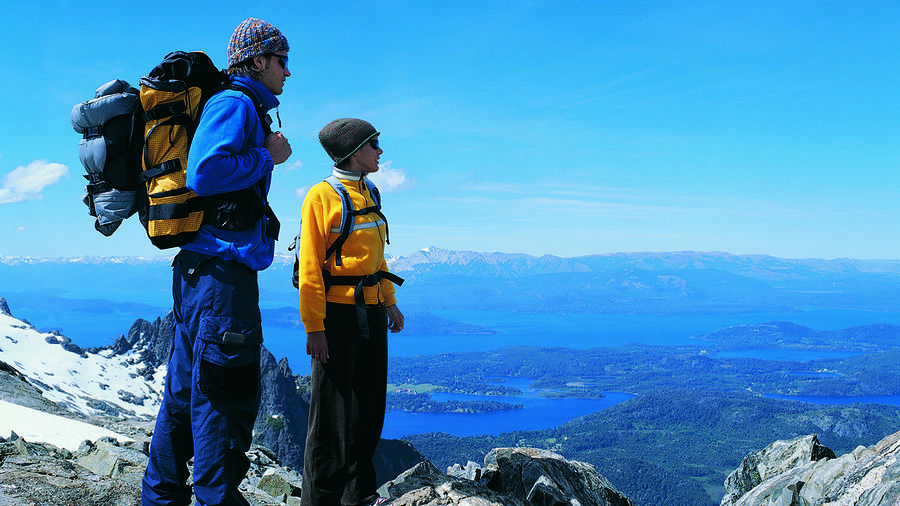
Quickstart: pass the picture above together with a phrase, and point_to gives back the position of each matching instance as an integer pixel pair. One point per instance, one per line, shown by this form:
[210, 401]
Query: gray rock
[278, 482]
[472, 471]
[111, 459]
[283, 416]
[870, 477]
[771, 461]
[392, 457]
[512, 476]
[863, 477]
[529, 473]
[48, 479]
[424, 484]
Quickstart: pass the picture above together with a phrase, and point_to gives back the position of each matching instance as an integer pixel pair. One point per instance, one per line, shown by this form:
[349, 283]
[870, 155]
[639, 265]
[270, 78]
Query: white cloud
[20, 229]
[301, 192]
[389, 179]
[296, 165]
[27, 182]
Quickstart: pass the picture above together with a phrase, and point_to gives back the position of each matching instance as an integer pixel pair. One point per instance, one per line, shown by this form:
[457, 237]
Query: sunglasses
[282, 59]
[373, 143]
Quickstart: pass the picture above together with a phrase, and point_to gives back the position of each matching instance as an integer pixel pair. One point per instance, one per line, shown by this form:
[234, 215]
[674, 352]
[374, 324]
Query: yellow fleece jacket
[362, 253]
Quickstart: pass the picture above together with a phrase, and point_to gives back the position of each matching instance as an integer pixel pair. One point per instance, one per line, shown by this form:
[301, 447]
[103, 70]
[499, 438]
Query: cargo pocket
[229, 358]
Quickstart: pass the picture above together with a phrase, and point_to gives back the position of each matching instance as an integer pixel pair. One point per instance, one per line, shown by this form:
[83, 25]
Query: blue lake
[100, 326]
[538, 413]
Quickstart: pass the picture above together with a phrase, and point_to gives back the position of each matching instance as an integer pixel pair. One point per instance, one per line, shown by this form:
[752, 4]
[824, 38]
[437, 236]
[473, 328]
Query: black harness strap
[359, 297]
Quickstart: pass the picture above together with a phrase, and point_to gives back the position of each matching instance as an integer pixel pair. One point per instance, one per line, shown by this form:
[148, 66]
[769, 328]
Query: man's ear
[259, 63]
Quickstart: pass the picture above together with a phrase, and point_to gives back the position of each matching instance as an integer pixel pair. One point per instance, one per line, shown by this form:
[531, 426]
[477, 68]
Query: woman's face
[366, 158]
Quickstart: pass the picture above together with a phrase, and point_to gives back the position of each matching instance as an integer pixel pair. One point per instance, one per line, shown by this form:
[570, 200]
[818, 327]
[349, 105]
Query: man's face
[273, 70]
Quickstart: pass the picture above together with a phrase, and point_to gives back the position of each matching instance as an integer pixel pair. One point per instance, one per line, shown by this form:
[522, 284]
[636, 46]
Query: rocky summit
[802, 472]
[108, 473]
[510, 476]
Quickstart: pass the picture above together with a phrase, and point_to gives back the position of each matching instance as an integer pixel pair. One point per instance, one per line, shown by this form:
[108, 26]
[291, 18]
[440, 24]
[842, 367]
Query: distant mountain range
[662, 283]
[673, 282]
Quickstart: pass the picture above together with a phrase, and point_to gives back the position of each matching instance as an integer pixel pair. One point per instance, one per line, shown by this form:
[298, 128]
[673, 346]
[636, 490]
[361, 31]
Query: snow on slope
[38, 427]
[101, 383]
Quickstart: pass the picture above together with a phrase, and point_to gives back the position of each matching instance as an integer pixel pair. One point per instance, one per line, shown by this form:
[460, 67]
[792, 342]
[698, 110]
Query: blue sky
[565, 128]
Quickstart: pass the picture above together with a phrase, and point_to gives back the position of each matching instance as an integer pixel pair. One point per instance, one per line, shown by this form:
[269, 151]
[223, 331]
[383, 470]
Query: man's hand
[395, 318]
[317, 346]
[278, 146]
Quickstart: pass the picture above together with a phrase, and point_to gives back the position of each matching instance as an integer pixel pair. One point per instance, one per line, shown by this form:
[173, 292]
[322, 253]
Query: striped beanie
[343, 137]
[254, 37]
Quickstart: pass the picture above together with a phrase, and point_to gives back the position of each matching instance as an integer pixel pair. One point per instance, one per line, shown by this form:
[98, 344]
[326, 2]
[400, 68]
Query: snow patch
[39, 427]
[81, 383]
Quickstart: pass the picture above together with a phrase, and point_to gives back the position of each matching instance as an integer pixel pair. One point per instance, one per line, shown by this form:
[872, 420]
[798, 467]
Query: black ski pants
[346, 412]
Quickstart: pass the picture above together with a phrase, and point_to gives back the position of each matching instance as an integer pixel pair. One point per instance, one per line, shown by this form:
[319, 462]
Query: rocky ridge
[108, 473]
[802, 472]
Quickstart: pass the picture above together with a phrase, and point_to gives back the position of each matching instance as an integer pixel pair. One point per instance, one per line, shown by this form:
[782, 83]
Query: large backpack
[110, 151]
[142, 168]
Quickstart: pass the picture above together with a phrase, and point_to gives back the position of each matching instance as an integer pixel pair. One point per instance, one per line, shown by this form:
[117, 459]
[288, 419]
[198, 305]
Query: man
[211, 393]
[347, 304]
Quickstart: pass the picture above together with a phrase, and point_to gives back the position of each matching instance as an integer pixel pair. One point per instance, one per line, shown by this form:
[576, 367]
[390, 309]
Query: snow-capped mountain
[89, 382]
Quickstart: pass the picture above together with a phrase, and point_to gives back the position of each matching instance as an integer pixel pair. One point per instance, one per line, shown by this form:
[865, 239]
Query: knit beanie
[254, 37]
[343, 137]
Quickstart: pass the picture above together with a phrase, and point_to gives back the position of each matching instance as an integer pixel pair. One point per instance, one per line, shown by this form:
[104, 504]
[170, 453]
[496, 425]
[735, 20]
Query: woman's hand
[317, 346]
[395, 318]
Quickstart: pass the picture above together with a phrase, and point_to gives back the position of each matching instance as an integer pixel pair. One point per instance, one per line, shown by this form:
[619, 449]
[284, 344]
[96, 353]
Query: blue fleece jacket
[227, 154]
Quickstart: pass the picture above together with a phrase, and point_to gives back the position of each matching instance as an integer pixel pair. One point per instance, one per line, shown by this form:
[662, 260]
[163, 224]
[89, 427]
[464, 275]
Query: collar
[352, 176]
[266, 98]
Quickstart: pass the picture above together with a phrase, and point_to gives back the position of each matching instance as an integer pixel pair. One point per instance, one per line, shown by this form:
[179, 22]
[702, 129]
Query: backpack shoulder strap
[346, 219]
[373, 190]
[376, 196]
[264, 117]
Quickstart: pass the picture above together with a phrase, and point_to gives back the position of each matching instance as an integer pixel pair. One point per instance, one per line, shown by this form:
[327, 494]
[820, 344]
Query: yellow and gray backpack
[135, 147]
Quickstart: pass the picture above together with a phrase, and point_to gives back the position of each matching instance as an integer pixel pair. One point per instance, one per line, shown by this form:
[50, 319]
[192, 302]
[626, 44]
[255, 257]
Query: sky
[566, 128]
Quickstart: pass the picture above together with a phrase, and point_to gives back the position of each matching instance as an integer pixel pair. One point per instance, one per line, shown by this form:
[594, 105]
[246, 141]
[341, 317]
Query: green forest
[694, 417]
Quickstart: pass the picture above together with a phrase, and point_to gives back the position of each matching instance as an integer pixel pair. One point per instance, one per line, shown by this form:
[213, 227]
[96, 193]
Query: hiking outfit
[348, 392]
[211, 396]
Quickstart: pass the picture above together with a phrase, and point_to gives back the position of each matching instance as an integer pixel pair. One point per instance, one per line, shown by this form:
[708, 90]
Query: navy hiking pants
[212, 385]
[346, 410]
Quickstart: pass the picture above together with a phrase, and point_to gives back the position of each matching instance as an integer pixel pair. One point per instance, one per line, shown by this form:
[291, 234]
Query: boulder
[773, 460]
[109, 458]
[280, 483]
[32, 473]
[510, 477]
[425, 484]
[863, 477]
[541, 477]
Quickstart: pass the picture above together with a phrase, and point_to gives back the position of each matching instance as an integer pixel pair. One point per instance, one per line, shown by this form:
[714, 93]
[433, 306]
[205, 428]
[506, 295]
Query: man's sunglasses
[374, 143]
[282, 59]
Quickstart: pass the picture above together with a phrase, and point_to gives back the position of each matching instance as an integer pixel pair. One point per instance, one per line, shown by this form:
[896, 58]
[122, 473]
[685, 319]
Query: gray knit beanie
[343, 137]
[254, 37]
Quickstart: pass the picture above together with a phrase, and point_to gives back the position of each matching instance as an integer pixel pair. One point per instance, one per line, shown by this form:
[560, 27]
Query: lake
[584, 330]
[538, 413]
[98, 326]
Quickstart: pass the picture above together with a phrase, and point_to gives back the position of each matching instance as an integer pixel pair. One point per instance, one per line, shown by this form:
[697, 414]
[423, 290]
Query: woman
[347, 305]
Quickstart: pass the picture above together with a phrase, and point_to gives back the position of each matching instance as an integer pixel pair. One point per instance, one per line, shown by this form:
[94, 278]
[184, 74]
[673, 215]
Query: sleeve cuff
[314, 326]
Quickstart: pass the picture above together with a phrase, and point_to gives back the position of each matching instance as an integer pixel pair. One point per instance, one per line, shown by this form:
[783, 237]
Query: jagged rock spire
[4, 307]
